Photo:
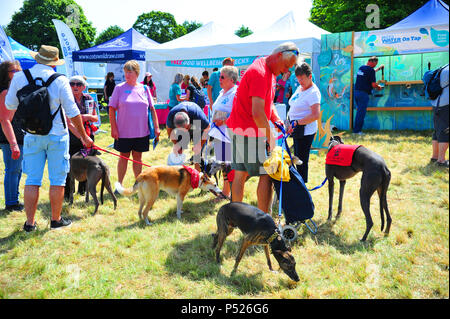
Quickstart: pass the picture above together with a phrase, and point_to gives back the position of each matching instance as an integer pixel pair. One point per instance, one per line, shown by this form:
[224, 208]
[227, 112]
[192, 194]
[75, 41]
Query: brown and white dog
[174, 180]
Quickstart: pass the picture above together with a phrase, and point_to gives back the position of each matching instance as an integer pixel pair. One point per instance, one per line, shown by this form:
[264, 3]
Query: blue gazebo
[130, 45]
[22, 54]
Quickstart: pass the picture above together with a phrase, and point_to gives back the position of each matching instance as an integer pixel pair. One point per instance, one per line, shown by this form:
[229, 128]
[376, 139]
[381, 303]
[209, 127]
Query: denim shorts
[37, 149]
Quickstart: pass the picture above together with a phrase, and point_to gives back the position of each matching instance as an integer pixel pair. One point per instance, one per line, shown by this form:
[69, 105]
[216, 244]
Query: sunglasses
[222, 77]
[294, 51]
[79, 84]
[13, 71]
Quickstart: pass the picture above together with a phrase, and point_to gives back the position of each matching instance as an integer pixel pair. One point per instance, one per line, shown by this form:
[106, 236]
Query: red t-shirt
[257, 81]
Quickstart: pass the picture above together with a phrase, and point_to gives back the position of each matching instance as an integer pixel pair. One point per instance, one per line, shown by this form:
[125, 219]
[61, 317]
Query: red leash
[128, 159]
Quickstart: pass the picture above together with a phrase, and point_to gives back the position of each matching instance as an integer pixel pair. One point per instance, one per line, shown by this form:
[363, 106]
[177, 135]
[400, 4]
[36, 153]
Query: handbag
[151, 127]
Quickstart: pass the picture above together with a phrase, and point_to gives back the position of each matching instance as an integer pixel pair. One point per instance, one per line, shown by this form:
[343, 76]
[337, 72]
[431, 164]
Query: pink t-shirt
[131, 104]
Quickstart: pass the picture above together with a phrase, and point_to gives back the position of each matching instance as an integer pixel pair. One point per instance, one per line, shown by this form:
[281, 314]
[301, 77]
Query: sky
[255, 14]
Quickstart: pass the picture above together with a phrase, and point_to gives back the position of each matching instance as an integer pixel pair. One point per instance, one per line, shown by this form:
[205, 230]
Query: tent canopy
[130, 45]
[293, 25]
[213, 41]
[22, 54]
[208, 34]
[434, 12]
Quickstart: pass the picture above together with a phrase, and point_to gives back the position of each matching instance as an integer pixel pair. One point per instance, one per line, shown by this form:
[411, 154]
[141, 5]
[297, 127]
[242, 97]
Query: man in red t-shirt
[248, 123]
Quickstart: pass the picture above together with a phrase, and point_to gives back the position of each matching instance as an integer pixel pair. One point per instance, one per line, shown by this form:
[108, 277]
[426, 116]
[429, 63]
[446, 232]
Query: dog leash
[284, 136]
[128, 159]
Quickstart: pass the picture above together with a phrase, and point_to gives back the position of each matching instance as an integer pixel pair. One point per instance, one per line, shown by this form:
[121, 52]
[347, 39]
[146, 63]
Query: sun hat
[78, 78]
[47, 55]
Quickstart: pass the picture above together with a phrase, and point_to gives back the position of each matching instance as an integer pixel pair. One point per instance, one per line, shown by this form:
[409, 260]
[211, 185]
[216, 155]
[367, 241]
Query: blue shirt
[364, 79]
[194, 112]
[175, 90]
[215, 84]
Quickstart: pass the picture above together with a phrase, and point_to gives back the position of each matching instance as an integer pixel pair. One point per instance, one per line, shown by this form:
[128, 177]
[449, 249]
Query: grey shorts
[248, 154]
[440, 121]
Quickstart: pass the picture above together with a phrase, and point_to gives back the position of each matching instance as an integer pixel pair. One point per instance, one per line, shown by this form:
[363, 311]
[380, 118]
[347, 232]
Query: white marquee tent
[204, 49]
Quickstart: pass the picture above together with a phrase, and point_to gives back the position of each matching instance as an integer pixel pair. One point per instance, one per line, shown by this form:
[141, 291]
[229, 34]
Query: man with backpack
[41, 97]
[436, 87]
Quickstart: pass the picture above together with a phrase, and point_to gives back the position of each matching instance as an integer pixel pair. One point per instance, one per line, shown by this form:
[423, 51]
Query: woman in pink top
[128, 115]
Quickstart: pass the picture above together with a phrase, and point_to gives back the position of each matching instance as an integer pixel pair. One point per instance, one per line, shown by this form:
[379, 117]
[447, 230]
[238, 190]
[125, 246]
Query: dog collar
[272, 237]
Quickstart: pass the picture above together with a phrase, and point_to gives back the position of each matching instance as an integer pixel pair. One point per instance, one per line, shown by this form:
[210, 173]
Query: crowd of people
[241, 110]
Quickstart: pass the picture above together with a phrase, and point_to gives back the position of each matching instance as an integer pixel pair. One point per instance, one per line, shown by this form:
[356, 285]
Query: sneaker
[116, 192]
[63, 222]
[29, 228]
[17, 207]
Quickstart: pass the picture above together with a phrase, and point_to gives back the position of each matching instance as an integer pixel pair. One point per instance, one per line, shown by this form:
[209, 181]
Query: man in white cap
[53, 147]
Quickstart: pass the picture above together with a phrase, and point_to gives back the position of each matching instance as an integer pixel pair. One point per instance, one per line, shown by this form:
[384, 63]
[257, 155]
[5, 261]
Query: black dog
[375, 177]
[259, 229]
[91, 169]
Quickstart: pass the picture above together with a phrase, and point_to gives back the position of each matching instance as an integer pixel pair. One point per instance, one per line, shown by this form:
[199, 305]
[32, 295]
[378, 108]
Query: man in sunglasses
[248, 123]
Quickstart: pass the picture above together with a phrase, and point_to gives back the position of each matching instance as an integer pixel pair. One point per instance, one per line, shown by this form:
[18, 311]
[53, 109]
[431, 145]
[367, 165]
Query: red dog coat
[341, 155]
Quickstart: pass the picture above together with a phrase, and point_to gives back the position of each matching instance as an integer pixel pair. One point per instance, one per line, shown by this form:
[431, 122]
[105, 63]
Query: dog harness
[341, 155]
[195, 176]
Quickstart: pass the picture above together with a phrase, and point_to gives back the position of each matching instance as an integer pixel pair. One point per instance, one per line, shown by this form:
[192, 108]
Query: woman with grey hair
[221, 111]
[175, 91]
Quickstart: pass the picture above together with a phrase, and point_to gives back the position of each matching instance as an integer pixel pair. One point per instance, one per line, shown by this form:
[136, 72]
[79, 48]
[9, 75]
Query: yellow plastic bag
[272, 165]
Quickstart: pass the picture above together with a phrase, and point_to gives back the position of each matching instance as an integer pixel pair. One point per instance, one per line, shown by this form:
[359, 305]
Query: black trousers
[302, 147]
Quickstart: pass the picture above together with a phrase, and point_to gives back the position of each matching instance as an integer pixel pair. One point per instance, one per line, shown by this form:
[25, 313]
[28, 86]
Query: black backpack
[34, 106]
[199, 98]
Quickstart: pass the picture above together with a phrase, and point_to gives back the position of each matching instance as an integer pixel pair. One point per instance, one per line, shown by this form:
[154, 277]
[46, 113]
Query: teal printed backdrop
[401, 68]
[335, 67]
[335, 72]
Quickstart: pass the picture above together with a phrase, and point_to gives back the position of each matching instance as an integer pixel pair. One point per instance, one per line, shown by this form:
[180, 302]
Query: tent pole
[351, 81]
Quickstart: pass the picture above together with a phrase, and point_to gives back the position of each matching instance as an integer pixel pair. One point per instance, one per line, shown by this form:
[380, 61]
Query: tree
[243, 31]
[191, 26]
[343, 15]
[32, 25]
[159, 26]
[110, 33]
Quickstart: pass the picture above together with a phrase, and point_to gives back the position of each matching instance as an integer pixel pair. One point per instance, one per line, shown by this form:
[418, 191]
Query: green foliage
[190, 26]
[32, 25]
[342, 15]
[110, 33]
[159, 26]
[243, 31]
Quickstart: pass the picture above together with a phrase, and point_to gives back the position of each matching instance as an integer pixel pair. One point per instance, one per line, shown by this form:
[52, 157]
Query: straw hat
[47, 55]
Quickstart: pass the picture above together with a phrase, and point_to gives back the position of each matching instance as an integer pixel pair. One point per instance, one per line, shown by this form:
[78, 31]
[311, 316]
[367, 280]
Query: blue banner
[211, 63]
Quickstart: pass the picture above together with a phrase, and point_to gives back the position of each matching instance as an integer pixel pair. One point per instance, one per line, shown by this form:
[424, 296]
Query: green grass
[114, 255]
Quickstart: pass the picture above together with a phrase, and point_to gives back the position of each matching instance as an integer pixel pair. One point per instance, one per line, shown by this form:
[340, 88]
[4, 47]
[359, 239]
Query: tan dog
[174, 180]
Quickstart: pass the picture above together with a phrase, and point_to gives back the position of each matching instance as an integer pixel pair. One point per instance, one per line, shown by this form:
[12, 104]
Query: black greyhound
[375, 177]
[92, 169]
[259, 229]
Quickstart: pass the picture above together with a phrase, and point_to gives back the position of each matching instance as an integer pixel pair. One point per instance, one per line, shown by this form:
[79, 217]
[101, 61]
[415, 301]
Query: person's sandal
[433, 160]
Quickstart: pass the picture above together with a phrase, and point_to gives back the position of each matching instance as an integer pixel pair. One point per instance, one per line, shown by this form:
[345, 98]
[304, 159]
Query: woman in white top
[221, 111]
[305, 111]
